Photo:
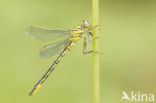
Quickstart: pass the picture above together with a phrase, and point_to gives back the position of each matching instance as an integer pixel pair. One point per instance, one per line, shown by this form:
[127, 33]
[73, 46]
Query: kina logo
[137, 97]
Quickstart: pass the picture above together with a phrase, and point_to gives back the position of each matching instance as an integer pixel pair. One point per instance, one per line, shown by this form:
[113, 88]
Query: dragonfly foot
[90, 52]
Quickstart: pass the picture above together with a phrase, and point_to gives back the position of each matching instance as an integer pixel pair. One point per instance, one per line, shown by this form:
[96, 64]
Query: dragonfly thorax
[77, 31]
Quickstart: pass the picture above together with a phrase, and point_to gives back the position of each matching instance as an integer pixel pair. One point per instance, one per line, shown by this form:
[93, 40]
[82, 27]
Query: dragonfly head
[87, 24]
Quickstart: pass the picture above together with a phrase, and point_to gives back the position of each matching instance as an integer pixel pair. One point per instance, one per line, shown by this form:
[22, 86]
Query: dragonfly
[62, 47]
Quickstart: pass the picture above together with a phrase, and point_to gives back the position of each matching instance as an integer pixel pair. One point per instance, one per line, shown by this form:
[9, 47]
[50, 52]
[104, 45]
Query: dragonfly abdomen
[59, 58]
[45, 76]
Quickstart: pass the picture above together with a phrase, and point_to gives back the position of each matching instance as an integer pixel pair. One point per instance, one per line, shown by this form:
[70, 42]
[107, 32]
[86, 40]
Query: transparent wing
[53, 49]
[46, 34]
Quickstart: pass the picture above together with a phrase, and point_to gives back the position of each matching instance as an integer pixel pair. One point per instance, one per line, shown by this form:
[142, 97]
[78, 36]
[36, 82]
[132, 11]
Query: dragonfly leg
[96, 26]
[91, 51]
[85, 48]
[91, 40]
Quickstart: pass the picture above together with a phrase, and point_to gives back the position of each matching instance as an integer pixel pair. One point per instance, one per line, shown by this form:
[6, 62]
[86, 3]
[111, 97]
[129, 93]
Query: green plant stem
[96, 76]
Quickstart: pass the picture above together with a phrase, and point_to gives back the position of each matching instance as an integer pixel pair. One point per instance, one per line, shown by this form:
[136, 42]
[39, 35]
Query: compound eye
[86, 23]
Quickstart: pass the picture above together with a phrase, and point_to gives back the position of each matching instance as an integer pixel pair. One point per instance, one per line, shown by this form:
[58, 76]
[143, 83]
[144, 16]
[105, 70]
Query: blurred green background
[127, 39]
